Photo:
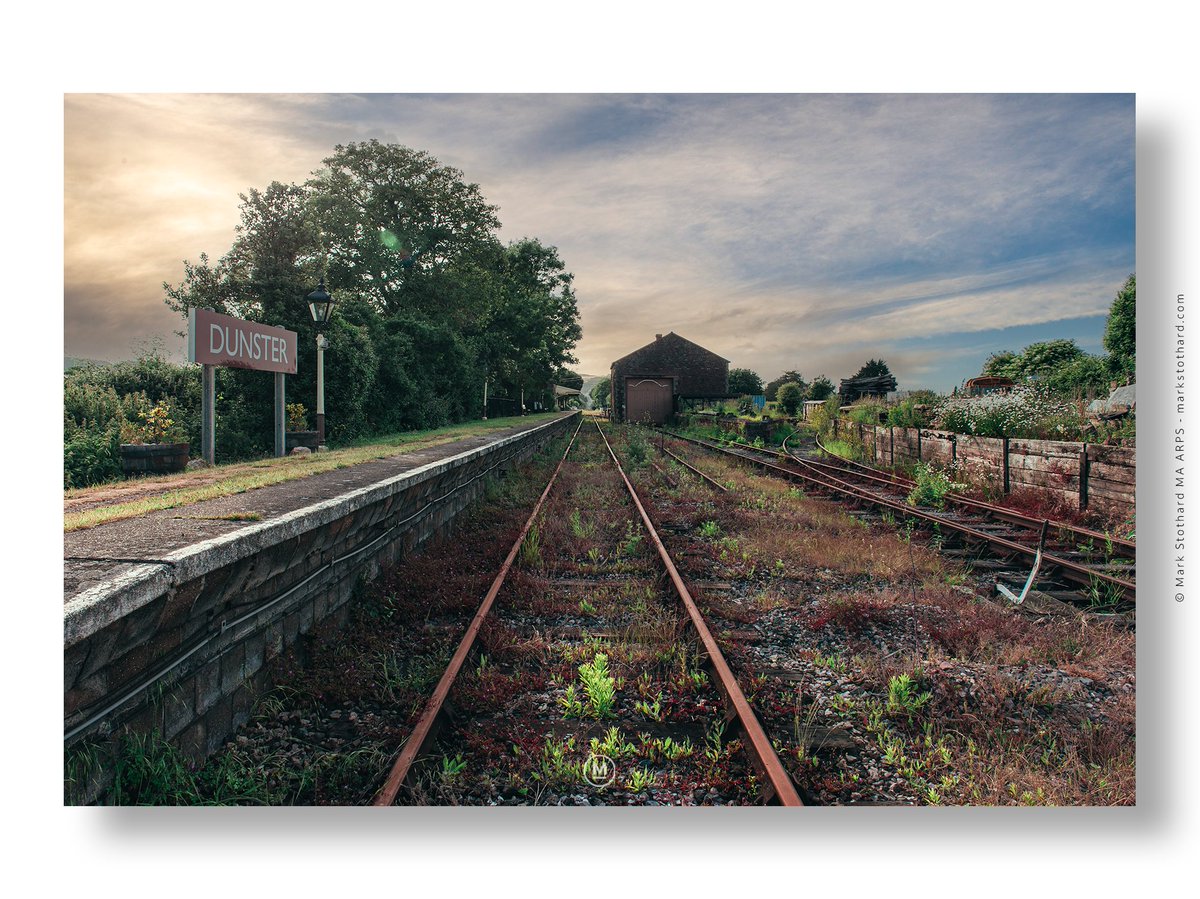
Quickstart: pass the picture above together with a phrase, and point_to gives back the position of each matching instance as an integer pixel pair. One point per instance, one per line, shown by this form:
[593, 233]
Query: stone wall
[183, 646]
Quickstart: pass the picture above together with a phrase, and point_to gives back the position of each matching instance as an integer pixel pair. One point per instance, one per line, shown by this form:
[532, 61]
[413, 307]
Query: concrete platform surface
[129, 548]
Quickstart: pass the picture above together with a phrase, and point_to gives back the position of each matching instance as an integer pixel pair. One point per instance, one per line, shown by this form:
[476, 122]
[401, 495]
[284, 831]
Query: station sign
[215, 339]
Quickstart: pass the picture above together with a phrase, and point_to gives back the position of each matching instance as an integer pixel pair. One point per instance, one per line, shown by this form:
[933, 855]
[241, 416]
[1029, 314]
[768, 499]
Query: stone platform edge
[102, 604]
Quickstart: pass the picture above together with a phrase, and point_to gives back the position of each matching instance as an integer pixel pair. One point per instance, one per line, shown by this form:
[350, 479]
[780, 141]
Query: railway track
[874, 672]
[625, 638]
[1059, 560]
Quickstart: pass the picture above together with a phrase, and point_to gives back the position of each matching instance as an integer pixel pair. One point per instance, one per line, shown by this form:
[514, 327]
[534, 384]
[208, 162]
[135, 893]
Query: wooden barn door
[649, 400]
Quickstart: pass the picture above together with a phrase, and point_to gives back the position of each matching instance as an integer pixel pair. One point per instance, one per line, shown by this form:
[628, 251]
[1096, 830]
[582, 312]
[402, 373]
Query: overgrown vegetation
[429, 305]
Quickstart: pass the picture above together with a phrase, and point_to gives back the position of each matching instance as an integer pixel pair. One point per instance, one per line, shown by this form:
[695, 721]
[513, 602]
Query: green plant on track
[640, 780]
[633, 539]
[612, 745]
[599, 686]
[572, 705]
[652, 710]
[451, 768]
[580, 529]
[1104, 596]
[531, 548]
[555, 768]
[671, 750]
[903, 697]
[832, 662]
[710, 529]
[637, 448]
[932, 487]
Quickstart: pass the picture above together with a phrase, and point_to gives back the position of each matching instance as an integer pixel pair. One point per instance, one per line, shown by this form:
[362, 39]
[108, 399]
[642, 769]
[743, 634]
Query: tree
[1120, 331]
[790, 397]
[429, 302]
[1043, 358]
[1005, 364]
[744, 381]
[772, 389]
[564, 377]
[390, 214]
[822, 388]
[1085, 376]
[1038, 360]
[600, 393]
[531, 324]
[873, 368]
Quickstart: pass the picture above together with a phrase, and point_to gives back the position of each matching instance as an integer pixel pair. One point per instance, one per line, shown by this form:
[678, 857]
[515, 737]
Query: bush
[823, 416]
[790, 396]
[636, 447]
[906, 414]
[1030, 412]
[1086, 377]
[90, 407]
[91, 458]
[868, 411]
[933, 485]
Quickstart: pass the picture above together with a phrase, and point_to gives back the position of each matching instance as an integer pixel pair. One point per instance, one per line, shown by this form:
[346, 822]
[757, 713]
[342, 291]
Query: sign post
[280, 416]
[215, 339]
[208, 414]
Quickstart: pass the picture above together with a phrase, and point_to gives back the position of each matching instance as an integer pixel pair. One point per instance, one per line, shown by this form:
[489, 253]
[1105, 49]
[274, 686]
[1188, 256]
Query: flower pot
[153, 458]
[293, 439]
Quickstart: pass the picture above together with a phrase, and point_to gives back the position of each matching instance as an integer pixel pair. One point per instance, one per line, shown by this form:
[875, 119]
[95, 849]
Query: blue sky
[806, 231]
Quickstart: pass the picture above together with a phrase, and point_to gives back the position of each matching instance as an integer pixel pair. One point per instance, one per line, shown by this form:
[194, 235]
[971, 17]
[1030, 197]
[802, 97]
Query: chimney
[658, 337]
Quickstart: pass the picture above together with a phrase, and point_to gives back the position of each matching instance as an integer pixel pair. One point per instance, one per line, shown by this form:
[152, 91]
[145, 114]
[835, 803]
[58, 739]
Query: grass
[241, 477]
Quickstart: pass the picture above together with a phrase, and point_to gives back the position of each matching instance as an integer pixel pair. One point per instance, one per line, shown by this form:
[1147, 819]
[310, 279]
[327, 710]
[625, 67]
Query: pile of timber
[854, 388]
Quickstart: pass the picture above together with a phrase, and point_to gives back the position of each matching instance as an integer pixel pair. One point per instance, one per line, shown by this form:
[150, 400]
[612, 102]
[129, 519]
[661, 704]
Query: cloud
[811, 224]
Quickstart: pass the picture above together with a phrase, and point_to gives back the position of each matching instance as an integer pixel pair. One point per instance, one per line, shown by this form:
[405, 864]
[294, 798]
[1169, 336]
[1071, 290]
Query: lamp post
[320, 304]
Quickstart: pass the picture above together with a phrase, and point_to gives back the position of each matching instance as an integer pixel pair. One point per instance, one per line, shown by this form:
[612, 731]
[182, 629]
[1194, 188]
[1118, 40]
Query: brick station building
[651, 384]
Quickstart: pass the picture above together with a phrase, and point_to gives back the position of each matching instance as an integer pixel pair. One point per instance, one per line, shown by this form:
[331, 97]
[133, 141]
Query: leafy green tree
[600, 393]
[429, 302]
[1038, 360]
[531, 324]
[390, 214]
[1005, 364]
[1084, 376]
[771, 391]
[743, 381]
[1043, 358]
[1120, 331]
[822, 388]
[790, 397]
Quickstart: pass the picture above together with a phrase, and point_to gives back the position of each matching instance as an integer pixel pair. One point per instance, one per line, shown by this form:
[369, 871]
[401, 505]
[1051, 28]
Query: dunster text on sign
[215, 339]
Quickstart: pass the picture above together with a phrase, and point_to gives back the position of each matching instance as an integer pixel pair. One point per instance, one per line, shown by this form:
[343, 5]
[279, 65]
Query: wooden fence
[1086, 475]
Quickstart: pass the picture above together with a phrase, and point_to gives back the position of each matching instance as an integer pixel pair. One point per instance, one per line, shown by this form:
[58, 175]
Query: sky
[797, 231]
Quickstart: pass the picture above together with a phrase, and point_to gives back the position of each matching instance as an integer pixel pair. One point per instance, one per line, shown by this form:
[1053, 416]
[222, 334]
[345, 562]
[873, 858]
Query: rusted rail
[426, 725]
[762, 754]
[712, 482]
[1075, 572]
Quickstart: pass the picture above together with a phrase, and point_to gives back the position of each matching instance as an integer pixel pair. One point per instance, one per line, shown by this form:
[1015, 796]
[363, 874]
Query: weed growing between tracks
[594, 663]
[885, 672]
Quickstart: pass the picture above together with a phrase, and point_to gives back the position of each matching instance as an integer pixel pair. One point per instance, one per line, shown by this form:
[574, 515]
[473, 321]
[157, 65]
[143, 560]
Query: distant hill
[590, 381]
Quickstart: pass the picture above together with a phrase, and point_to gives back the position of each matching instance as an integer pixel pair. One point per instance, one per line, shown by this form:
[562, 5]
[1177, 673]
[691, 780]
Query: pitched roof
[670, 335]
